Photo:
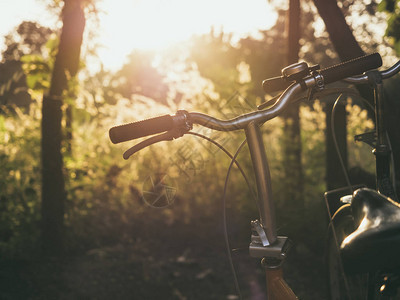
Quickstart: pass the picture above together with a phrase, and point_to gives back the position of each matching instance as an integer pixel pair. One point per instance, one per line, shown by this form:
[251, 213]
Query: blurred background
[79, 222]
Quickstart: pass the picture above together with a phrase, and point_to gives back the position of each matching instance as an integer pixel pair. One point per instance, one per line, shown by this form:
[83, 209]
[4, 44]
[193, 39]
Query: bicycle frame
[274, 255]
[382, 154]
[382, 148]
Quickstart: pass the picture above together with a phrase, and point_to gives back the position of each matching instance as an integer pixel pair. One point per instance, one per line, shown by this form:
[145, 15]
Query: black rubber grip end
[275, 84]
[139, 129]
[352, 67]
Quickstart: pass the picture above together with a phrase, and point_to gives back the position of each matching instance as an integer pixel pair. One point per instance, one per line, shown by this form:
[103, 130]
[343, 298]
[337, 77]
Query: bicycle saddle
[375, 244]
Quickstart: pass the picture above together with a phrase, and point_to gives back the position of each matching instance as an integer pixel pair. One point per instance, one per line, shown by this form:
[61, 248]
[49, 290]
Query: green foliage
[392, 9]
[38, 66]
[359, 122]
[313, 150]
[38, 72]
[20, 184]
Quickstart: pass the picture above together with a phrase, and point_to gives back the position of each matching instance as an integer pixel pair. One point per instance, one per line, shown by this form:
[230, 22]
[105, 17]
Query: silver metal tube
[242, 121]
[357, 79]
[263, 180]
[393, 70]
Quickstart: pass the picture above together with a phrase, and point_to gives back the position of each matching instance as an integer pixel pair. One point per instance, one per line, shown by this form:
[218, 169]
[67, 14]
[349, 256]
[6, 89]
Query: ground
[178, 265]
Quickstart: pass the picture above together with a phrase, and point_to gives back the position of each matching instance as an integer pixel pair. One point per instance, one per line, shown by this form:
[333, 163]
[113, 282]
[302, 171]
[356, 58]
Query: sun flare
[156, 24]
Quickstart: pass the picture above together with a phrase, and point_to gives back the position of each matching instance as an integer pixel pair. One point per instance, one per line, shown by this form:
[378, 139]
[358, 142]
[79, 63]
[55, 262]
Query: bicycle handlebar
[142, 128]
[331, 74]
[393, 70]
[352, 67]
[183, 120]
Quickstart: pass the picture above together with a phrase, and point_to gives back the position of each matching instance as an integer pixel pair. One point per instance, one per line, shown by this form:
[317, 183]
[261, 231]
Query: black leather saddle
[375, 244]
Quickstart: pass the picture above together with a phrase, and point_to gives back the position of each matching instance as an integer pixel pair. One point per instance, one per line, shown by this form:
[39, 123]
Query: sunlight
[157, 24]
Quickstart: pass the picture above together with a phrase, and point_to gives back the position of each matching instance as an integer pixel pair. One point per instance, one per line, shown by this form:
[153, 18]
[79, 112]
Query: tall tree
[294, 196]
[65, 66]
[347, 48]
[339, 31]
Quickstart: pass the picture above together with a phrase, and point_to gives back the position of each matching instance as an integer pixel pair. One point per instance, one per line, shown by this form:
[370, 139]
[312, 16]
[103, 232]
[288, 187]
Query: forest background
[90, 229]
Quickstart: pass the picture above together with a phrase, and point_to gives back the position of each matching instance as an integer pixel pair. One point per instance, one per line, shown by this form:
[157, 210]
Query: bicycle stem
[250, 123]
[263, 181]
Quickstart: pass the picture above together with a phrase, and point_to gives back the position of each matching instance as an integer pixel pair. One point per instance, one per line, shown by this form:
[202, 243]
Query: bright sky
[13, 12]
[150, 24]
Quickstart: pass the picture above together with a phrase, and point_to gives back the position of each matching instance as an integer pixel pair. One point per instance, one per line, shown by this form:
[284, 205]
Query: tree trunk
[68, 128]
[293, 28]
[339, 31]
[292, 149]
[347, 48]
[53, 189]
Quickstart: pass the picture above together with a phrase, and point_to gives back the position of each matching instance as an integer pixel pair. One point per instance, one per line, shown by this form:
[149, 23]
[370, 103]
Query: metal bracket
[319, 80]
[260, 246]
[277, 250]
[368, 137]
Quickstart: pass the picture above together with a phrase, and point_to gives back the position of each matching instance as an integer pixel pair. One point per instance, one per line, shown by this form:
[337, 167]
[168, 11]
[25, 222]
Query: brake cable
[228, 250]
[232, 157]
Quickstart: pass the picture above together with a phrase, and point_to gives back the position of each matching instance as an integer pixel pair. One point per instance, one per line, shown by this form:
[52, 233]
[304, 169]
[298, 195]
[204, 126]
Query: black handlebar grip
[139, 129]
[275, 84]
[352, 67]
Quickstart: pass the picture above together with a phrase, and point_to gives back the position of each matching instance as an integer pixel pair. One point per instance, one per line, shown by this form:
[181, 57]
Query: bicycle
[368, 219]
[265, 243]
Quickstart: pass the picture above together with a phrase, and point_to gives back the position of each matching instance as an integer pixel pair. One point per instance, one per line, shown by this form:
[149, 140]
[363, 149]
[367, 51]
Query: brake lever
[166, 136]
[268, 103]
